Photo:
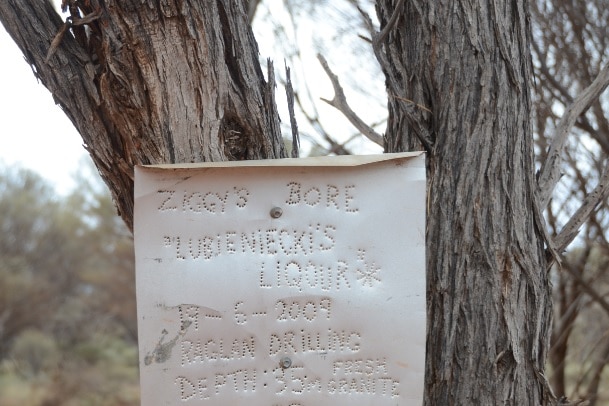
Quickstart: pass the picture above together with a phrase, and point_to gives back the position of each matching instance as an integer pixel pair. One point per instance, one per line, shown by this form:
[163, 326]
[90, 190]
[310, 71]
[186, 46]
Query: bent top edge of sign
[321, 161]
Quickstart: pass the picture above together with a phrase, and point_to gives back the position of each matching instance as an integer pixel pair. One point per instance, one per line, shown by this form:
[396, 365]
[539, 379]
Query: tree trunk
[173, 81]
[152, 82]
[459, 80]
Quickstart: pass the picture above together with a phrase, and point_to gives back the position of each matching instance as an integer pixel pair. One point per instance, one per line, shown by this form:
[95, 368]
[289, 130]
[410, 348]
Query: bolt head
[276, 212]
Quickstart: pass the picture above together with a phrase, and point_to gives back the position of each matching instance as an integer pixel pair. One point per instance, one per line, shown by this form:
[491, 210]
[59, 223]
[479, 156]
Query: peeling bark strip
[489, 305]
[153, 82]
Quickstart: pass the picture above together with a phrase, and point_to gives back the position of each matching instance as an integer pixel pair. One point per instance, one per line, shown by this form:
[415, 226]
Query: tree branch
[379, 39]
[339, 102]
[553, 86]
[550, 171]
[293, 124]
[591, 201]
[590, 291]
[252, 7]
[313, 119]
[414, 112]
[597, 371]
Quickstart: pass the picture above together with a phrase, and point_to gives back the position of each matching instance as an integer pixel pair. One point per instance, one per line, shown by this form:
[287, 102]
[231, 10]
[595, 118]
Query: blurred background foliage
[570, 47]
[68, 333]
[67, 295]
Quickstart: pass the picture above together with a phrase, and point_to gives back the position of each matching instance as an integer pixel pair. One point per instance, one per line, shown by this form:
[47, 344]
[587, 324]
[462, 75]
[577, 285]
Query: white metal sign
[285, 282]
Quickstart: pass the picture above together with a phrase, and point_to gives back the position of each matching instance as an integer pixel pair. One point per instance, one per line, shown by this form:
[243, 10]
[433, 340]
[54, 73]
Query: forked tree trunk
[176, 81]
[153, 82]
[459, 77]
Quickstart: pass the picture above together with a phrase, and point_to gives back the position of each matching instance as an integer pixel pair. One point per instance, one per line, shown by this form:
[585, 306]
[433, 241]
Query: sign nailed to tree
[282, 282]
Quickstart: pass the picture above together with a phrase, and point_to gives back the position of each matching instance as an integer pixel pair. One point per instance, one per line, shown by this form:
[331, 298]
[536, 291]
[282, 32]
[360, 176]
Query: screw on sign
[276, 212]
[285, 362]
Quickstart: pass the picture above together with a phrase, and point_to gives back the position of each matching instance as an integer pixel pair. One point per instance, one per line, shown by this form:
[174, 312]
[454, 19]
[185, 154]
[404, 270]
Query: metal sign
[284, 282]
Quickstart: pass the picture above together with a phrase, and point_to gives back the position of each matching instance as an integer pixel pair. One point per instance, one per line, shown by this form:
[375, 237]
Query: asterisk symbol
[367, 275]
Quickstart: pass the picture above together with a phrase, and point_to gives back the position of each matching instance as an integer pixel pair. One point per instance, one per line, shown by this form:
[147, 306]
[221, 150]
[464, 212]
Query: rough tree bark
[459, 80]
[152, 82]
[176, 81]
